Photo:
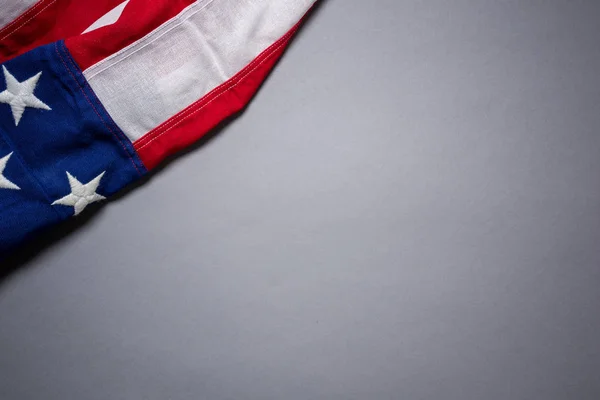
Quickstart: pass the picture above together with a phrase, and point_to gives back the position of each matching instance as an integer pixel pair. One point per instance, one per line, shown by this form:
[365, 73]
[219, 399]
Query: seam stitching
[225, 86]
[95, 110]
[223, 89]
[27, 21]
[20, 17]
[118, 133]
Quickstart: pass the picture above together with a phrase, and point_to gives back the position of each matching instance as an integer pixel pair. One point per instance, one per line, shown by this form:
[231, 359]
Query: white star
[81, 195]
[19, 95]
[5, 183]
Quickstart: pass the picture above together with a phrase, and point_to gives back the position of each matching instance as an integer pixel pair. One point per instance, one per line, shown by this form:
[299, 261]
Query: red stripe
[139, 18]
[199, 118]
[48, 21]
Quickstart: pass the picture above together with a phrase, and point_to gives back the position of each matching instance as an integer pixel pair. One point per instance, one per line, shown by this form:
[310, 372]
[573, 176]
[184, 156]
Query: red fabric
[139, 18]
[199, 118]
[48, 21]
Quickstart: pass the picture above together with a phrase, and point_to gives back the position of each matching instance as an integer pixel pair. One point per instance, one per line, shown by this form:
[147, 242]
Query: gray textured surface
[410, 209]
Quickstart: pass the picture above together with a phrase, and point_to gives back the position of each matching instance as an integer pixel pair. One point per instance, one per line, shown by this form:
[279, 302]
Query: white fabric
[205, 45]
[11, 9]
[109, 18]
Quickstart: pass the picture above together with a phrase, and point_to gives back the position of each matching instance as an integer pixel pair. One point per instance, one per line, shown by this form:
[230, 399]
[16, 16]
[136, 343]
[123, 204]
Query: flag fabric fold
[93, 98]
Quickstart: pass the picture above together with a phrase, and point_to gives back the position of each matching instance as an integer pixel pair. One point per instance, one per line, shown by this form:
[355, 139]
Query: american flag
[95, 93]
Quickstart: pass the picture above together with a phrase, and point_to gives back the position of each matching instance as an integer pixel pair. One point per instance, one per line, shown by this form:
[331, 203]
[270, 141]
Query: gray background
[409, 209]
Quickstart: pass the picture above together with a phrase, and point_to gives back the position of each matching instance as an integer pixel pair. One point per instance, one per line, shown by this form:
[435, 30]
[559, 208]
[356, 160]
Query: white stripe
[11, 9]
[109, 18]
[210, 41]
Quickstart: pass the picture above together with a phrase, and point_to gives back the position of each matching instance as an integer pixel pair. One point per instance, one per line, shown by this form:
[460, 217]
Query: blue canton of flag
[59, 149]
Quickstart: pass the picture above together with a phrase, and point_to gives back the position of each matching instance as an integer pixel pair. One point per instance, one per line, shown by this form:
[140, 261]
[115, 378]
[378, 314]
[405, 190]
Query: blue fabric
[77, 135]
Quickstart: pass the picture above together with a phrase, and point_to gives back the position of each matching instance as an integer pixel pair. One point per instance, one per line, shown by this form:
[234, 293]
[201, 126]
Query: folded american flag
[95, 93]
